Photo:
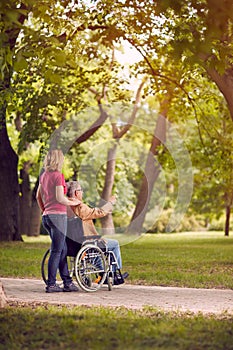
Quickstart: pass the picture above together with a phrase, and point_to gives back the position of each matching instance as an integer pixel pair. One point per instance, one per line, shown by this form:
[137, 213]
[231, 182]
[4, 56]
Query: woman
[53, 204]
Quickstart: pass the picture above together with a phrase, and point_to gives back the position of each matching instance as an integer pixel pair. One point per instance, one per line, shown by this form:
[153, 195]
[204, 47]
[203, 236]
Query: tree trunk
[227, 222]
[107, 221]
[25, 200]
[225, 85]
[151, 173]
[3, 299]
[35, 217]
[9, 187]
[152, 169]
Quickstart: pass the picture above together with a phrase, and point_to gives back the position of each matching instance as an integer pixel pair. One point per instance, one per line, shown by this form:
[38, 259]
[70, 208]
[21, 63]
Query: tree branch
[117, 132]
[94, 127]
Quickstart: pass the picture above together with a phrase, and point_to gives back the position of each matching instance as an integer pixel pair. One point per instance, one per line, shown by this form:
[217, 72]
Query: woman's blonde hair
[54, 160]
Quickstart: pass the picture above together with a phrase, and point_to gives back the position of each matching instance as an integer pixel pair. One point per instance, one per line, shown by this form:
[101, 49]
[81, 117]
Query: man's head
[74, 190]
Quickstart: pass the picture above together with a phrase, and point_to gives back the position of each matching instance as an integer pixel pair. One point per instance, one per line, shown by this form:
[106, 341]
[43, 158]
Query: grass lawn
[202, 260]
[50, 328]
[199, 260]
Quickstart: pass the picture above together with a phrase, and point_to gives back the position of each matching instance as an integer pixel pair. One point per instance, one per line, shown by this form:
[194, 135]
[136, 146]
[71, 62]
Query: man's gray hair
[71, 188]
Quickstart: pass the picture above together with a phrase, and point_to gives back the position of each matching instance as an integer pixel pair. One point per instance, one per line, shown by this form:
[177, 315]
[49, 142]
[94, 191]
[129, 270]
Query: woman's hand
[61, 198]
[74, 201]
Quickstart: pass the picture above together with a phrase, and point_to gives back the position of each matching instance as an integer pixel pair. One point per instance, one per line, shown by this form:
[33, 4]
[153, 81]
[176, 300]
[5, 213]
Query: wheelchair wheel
[90, 268]
[44, 267]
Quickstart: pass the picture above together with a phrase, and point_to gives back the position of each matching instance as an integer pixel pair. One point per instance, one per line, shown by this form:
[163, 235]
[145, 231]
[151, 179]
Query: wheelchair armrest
[96, 240]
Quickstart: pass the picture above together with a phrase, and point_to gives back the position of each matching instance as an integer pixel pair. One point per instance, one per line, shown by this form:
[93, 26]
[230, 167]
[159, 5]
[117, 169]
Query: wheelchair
[89, 261]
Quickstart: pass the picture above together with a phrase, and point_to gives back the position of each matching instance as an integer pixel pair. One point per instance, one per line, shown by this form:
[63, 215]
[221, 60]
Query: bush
[217, 225]
[188, 223]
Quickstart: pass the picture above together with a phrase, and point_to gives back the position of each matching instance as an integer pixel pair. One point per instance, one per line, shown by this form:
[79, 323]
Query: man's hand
[112, 199]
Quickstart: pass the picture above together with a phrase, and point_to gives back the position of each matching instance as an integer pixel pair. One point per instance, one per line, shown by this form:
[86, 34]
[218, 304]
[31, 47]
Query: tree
[69, 35]
[33, 57]
[211, 152]
[197, 34]
[118, 132]
[11, 20]
[152, 169]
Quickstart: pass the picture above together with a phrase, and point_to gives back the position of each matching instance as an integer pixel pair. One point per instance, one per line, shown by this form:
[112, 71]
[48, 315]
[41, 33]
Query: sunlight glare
[128, 54]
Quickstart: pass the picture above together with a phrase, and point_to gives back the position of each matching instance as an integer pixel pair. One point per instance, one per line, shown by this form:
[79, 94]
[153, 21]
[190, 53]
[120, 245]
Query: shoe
[120, 279]
[125, 275]
[53, 289]
[100, 277]
[70, 288]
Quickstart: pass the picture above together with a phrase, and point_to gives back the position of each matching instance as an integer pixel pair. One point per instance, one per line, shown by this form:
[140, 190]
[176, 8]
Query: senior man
[87, 215]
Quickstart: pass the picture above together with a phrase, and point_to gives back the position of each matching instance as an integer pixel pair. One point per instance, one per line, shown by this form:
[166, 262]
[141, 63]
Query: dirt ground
[206, 301]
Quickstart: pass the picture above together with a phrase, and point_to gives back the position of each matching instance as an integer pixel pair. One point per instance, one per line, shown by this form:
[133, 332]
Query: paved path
[131, 296]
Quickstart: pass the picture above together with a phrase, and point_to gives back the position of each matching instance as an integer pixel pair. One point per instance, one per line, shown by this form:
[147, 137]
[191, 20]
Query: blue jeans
[56, 225]
[114, 246]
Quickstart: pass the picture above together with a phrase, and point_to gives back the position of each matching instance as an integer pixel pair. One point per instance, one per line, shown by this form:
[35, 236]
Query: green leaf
[52, 77]
[20, 64]
[60, 59]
